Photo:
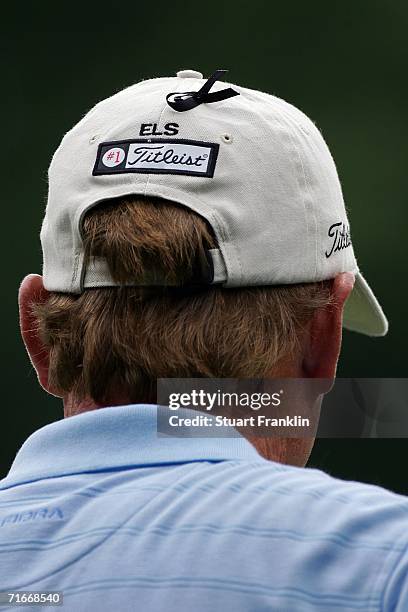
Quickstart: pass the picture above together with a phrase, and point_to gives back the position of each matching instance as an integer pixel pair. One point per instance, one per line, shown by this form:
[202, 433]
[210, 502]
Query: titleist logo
[157, 156]
[340, 235]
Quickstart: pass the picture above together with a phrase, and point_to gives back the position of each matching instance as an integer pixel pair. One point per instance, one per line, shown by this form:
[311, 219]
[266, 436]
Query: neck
[292, 451]
[73, 406]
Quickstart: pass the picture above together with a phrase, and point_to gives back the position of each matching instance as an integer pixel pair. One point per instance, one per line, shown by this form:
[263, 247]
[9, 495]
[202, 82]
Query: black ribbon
[190, 99]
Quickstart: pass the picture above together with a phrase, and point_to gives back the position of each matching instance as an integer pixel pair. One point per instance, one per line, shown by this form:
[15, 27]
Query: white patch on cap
[168, 156]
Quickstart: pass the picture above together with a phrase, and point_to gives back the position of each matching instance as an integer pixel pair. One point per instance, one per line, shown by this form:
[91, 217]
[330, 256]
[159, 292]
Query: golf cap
[255, 167]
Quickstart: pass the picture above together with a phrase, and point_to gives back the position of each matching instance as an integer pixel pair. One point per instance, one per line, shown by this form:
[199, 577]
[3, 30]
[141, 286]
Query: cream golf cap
[255, 167]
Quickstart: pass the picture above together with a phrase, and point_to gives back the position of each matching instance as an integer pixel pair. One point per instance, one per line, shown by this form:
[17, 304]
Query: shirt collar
[112, 438]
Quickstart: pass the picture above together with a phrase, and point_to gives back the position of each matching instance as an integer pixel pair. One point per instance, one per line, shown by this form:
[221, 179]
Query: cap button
[189, 74]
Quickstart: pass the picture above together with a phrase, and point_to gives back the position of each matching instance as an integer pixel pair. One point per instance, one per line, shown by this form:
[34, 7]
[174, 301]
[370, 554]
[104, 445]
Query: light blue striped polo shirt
[101, 508]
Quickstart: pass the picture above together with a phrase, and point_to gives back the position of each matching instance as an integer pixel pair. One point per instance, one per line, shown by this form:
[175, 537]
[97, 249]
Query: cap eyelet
[93, 139]
[227, 138]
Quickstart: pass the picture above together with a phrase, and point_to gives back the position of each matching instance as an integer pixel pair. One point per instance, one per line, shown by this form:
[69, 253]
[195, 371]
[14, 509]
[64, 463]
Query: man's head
[191, 230]
[108, 346]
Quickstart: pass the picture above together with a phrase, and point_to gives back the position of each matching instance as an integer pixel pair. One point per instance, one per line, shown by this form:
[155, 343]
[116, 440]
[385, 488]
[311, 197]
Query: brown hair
[124, 338]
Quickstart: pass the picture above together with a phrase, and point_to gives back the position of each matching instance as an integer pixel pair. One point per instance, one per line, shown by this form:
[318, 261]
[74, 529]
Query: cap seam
[158, 121]
[288, 124]
[214, 214]
[291, 125]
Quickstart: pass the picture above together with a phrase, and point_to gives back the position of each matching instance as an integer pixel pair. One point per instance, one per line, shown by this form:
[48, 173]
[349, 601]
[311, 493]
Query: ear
[323, 344]
[32, 292]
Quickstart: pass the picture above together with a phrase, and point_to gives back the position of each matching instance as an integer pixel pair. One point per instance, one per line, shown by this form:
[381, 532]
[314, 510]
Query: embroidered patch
[157, 156]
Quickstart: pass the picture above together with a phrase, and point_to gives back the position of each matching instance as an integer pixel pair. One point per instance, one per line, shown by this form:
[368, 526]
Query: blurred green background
[343, 63]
